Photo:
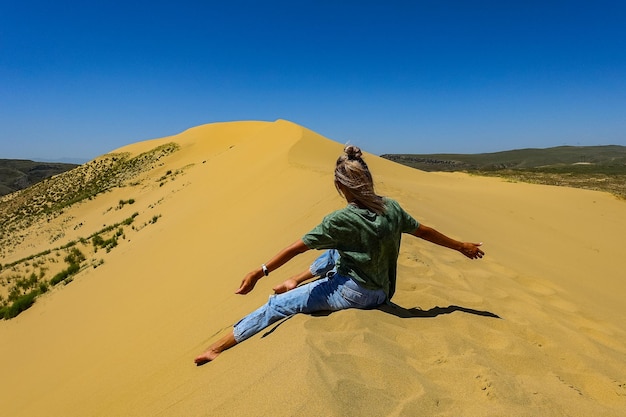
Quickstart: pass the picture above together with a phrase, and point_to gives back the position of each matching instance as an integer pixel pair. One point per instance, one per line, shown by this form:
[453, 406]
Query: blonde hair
[353, 173]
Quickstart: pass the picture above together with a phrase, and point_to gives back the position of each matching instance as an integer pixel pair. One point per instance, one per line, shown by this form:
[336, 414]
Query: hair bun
[352, 152]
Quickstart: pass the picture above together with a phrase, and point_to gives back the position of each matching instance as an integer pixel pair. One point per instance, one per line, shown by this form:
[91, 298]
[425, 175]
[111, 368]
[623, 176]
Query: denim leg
[326, 294]
[324, 263]
[306, 298]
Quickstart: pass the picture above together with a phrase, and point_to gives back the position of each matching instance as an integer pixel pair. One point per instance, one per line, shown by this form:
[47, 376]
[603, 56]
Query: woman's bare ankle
[206, 356]
[216, 348]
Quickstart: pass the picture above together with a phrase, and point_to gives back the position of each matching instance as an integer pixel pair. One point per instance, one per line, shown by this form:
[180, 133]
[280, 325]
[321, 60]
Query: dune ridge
[535, 328]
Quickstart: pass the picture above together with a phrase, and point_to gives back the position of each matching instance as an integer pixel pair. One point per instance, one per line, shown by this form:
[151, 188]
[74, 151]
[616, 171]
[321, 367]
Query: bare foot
[216, 348]
[288, 285]
[206, 356]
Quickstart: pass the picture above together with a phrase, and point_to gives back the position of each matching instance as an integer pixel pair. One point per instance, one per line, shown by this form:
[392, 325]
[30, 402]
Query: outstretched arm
[281, 258]
[471, 250]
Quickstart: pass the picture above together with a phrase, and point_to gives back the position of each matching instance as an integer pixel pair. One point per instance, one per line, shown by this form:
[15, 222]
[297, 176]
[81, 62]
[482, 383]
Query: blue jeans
[332, 293]
[325, 264]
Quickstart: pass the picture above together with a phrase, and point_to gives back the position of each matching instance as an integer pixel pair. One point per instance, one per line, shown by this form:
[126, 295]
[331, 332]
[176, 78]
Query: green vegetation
[108, 244]
[601, 168]
[18, 305]
[130, 219]
[122, 203]
[74, 260]
[48, 198]
[169, 174]
[22, 281]
[23, 292]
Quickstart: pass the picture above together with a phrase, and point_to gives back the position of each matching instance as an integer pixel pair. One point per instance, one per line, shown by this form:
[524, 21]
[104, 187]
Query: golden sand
[537, 327]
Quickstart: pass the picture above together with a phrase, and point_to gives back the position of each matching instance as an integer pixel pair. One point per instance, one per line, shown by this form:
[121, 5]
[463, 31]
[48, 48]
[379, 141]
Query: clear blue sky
[81, 78]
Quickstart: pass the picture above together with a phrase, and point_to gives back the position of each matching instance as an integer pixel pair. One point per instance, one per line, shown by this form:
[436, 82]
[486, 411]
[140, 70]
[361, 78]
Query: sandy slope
[535, 328]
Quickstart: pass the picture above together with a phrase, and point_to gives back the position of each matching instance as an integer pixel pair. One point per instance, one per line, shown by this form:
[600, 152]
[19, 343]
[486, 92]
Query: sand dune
[535, 328]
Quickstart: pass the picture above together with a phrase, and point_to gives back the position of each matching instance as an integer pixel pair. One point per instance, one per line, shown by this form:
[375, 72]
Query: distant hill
[17, 174]
[601, 168]
[550, 158]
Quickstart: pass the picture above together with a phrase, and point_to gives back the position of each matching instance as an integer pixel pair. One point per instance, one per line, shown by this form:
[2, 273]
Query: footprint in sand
[412, 261]
[570, 386]
[440, 361]
[485, 385]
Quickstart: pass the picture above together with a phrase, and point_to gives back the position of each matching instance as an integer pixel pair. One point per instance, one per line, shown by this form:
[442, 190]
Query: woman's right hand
[248, 283]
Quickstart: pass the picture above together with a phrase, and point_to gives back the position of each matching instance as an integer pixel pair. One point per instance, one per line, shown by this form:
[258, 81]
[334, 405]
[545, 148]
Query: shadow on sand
[407, 313]
[404, 313]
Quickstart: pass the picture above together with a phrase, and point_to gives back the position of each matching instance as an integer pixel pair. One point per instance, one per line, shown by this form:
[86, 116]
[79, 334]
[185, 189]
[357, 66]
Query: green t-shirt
[368, 243]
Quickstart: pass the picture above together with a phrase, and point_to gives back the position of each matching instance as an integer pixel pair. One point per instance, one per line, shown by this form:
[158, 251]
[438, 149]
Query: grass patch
[22, 303]
[122, 203]
[74, 259]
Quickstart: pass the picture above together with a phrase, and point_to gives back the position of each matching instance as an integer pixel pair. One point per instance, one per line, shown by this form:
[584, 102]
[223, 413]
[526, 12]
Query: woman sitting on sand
[366, 237]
